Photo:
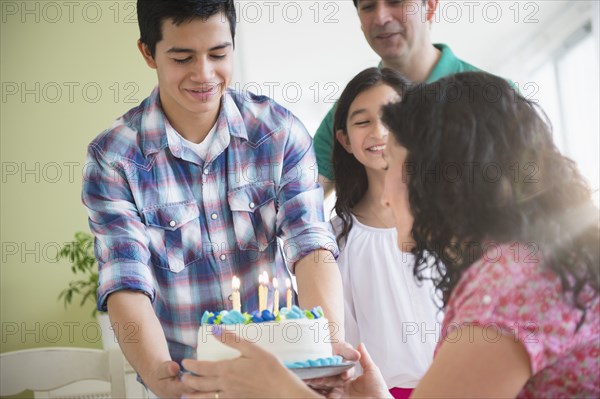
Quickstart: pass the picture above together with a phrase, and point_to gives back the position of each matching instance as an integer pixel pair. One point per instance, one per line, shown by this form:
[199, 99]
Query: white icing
[294, 340]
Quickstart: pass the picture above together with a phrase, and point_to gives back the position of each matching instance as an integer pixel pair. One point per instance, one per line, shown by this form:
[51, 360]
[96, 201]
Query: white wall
[293, 50]
[313, 43]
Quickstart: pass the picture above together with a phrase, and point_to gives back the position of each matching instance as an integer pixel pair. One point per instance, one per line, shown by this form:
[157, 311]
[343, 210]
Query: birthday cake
[298, 338]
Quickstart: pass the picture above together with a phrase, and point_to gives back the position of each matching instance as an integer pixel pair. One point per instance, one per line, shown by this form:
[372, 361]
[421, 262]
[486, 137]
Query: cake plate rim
[307, 373]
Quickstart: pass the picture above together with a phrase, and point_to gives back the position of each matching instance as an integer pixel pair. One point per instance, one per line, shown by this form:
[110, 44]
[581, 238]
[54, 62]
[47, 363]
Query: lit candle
[275, 296]
[288, 294]
[265, 290]
[262, 291]
[235, 296]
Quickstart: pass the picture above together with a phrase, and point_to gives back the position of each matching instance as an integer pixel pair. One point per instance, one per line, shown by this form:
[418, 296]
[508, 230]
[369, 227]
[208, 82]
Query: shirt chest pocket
[175, 235]
[254, 215]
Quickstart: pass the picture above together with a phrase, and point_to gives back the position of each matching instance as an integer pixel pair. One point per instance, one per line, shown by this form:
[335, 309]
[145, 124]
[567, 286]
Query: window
[569, 94]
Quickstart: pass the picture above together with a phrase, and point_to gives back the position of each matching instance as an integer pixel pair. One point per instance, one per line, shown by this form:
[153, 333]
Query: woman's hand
[255, 374]
[370, 384]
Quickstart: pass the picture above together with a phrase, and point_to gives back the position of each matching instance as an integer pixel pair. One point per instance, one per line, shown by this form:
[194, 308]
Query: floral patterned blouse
[508, 291]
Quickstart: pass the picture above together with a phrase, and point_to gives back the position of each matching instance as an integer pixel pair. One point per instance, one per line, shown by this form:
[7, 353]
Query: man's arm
[143, 342]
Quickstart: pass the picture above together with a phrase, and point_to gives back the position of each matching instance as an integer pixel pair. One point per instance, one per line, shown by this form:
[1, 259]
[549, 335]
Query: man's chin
[391, 56]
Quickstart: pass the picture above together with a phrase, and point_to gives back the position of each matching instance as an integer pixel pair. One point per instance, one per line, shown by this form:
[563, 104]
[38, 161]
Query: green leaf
[80, 254]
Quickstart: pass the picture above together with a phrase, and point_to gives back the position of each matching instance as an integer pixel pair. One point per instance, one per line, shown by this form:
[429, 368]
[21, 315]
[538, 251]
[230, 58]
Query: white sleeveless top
[385, 308]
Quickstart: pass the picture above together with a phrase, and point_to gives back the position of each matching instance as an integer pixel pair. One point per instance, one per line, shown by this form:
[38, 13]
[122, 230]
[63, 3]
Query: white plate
[322, 371]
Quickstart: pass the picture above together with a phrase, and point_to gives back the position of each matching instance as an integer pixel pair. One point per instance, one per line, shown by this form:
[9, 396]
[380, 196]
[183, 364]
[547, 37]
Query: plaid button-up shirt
[178, 228]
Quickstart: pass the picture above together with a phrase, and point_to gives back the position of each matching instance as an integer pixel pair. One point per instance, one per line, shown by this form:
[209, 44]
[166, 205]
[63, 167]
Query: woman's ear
[143, 47]
[344, 140]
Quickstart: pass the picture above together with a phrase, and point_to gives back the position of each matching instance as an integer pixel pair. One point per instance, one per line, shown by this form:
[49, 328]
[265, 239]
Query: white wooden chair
[60, 372]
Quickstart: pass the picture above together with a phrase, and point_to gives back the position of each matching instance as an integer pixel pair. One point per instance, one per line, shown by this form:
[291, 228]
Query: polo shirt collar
[447, 64]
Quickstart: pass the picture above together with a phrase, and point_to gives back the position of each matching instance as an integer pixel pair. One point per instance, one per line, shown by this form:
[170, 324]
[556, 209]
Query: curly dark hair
[350, 176]
[515, 185]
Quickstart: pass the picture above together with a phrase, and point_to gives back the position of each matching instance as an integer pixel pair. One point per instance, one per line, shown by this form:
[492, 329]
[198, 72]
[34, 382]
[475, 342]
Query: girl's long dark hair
[515, 185]
[351, 181]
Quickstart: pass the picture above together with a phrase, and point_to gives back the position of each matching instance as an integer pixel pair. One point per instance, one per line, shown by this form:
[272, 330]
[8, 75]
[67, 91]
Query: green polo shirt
[448, 64]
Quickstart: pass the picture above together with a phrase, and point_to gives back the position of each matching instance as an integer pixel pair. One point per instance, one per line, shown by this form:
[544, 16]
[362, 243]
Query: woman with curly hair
[514, 225]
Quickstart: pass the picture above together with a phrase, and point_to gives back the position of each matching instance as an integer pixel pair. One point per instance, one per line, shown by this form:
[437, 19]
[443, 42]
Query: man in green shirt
[399, 32]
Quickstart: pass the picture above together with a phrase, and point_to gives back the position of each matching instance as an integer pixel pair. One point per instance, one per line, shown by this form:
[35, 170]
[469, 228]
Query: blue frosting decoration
[228, 317]
[256, 317]
[324, 361]
[267, 315]
[232, 317]
[294, 313]
[206, 316]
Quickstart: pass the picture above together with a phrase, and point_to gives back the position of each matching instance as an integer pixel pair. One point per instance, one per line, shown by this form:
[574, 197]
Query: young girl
[385, 307]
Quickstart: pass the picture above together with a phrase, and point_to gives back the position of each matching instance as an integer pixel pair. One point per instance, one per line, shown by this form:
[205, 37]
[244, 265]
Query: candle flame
[288, 283]
[235, 283]
[263, 278]
[275, 283]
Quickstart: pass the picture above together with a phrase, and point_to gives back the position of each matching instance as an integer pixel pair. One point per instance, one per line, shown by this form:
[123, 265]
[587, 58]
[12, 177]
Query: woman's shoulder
[511, 289]
[511, 284]
[506, 263]
[505, 275]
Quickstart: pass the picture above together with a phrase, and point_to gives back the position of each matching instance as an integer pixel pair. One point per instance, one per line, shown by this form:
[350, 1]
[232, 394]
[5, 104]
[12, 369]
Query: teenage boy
[399, 31]
[196, 185]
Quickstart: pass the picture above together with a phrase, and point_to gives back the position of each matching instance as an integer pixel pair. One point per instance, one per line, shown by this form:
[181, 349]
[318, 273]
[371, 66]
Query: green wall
[54, 57]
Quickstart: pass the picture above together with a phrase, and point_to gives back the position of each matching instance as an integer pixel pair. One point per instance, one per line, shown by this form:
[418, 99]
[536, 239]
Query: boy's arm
[308, 241]
[143, 342]
[301, 225]
[125, 287]
[320, 284]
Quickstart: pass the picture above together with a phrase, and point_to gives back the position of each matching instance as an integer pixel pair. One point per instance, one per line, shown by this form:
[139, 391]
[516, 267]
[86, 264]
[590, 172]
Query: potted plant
[80, 252]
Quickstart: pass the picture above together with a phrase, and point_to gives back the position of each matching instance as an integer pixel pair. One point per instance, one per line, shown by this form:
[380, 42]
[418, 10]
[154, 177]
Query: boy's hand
[329, 385]
[166, 383]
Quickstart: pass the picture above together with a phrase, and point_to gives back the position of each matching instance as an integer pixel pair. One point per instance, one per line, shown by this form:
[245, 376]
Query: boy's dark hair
[356, 2]
[152, 14]
[350, 177]
[535, 195]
